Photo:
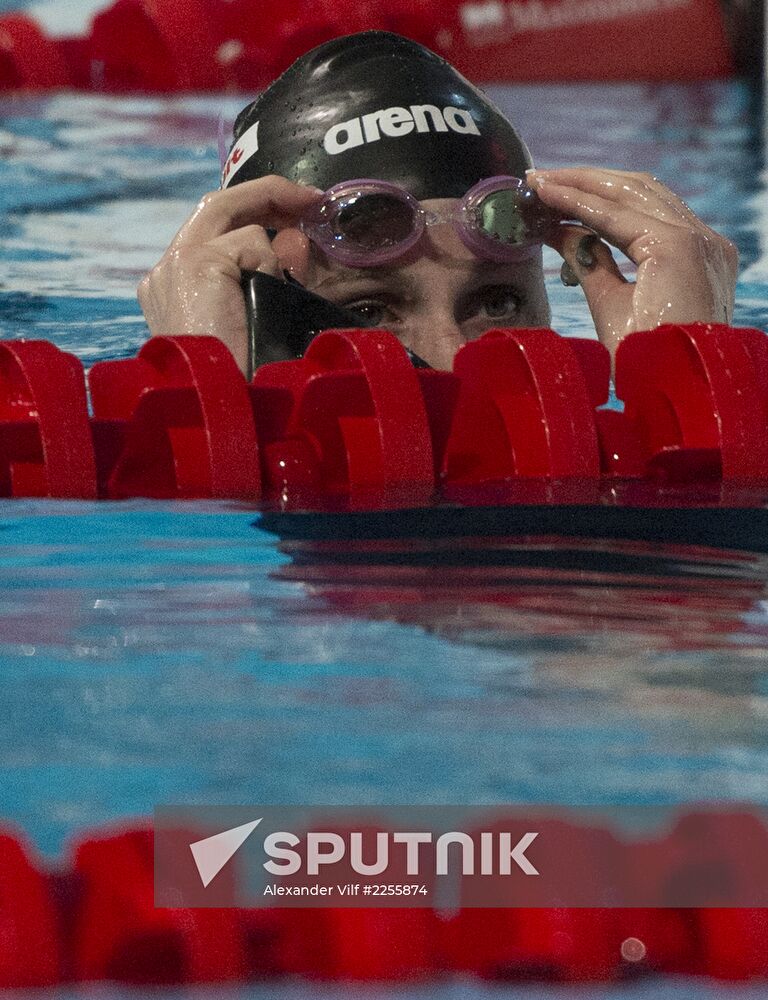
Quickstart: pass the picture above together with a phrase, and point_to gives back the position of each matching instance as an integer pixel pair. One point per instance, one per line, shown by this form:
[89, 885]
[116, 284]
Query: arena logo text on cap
[396, 122]
[333, 115]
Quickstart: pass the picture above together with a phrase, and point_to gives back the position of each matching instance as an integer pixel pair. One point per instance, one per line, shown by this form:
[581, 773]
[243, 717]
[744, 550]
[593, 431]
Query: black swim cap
[376, 105]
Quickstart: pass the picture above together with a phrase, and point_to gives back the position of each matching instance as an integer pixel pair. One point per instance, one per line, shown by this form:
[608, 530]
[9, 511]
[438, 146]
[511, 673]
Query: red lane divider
[723, 943]
[154, 45]
[176, 45]
[119, 934]
[734, 943]
[523, 944]
[354, 417]
[353, 408]
[45, 437]
[361, 944]
[695, 395]
[196, 45]
[365, 945]
[524, 409]
[30, 948]
[29, 60]
[93, 918]
[531, 942]
[186, 425]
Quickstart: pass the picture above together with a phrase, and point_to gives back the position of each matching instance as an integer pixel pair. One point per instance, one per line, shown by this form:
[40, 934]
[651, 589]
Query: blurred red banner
[591, 40]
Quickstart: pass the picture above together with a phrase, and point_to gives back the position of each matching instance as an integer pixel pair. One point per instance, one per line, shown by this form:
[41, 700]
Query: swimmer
[378, 106]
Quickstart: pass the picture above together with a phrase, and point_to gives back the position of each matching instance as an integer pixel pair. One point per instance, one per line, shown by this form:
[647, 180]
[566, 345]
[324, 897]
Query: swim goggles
[366, 223]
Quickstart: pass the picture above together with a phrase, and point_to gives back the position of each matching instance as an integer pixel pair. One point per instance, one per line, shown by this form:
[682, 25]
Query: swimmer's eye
[373, 311]
[495, 302]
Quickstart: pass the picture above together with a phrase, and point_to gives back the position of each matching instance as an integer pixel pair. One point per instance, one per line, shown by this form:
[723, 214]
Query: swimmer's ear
[292, 249]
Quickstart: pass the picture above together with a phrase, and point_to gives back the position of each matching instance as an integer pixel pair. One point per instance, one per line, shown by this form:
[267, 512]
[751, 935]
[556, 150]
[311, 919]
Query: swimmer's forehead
[332, 275]
[375, 105]
[396, 269]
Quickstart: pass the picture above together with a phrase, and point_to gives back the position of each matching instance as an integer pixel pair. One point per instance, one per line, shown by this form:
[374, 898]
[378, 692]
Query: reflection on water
[158, 653]
[674, 629]
[556, 595]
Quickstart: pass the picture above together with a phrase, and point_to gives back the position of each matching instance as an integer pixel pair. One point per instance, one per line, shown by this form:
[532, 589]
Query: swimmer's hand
[686, 272]
[195, 287]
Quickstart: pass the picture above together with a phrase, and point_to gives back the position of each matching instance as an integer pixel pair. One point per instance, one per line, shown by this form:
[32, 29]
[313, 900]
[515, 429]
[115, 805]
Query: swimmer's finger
[250, 249]
[588, 261]
[666, 194]
[292, 249]
[267, 201]
[642, 191]
[634, 233]
[583, 250]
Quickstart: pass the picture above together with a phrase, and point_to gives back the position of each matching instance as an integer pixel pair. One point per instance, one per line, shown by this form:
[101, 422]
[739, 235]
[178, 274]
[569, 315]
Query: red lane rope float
[45, 436]
[697, 395]
[361, 944]
[364, 945]
[94, 919]
[723, 943]
[164, 46]
[527, 391]
[154, 45]
[564, 945]
[28, 58]
[353, 409]
[181, 417]
[118, 933]
[567, 945]
[30, 949]
[353, 416]
[176, 45]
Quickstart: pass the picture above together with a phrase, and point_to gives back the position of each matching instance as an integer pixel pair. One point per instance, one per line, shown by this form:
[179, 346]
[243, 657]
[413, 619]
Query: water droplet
[633, 950]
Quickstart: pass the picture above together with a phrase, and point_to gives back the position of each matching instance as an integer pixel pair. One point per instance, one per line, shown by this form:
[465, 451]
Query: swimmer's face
[439, 295]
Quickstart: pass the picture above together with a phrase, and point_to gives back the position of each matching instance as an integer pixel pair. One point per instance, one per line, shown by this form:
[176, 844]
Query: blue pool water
[462, 990]
[152, 654]
[180, 653]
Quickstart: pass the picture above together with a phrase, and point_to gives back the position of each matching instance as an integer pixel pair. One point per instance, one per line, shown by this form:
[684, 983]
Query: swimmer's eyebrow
[355, 274]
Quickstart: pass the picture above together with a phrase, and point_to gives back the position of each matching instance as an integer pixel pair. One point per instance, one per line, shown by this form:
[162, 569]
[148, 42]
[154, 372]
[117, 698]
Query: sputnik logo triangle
[214, 852]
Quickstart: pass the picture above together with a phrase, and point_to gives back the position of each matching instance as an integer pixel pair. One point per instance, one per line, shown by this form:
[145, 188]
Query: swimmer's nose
[436, 339]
